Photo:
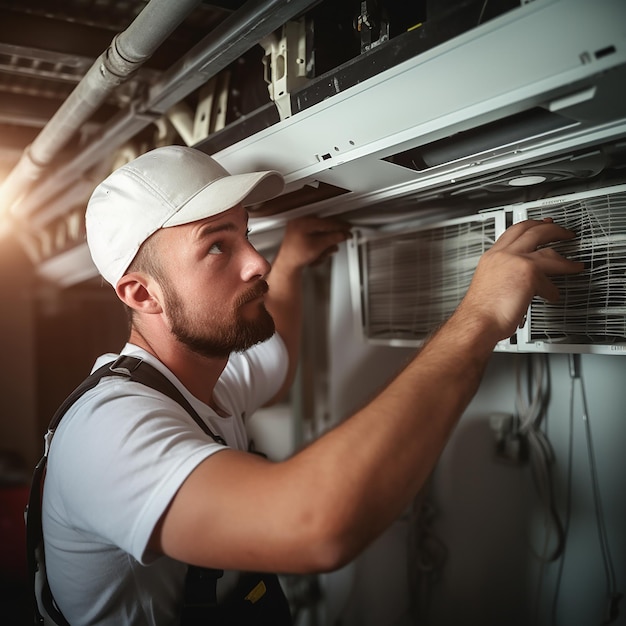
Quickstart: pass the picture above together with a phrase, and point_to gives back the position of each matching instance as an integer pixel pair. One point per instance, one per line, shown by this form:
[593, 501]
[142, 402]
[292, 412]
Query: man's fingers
[528, 235]
[309, 240]
[541, 235]
[547, 290]
[512, 233]
[552, 263]
[324, 255]
[320, 225]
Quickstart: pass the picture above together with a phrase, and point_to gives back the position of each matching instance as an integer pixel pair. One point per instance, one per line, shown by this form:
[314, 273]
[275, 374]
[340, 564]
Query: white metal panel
[530, 56]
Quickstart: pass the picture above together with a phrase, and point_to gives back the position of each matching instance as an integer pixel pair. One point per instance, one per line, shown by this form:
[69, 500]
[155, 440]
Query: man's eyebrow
[209, 229]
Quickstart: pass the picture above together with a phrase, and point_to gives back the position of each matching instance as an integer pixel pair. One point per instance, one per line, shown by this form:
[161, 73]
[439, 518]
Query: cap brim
[225, 193]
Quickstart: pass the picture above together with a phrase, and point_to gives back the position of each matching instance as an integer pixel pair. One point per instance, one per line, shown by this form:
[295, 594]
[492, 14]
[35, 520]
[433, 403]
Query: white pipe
[252, 22]
[127, 52]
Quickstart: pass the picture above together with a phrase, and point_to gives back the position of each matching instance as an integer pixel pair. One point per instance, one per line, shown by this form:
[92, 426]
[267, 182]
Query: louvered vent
[410, 282]
[591, 314]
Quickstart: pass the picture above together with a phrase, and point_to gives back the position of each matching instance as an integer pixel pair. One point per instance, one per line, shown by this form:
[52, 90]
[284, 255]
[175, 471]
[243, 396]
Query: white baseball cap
[165, 187]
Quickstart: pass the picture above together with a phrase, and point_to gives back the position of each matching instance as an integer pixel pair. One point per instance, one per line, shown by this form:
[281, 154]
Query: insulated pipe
[237, 34]
[127, 52]
[233, 37]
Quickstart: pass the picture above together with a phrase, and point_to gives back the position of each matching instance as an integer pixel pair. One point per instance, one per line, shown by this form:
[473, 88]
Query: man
[134, 490]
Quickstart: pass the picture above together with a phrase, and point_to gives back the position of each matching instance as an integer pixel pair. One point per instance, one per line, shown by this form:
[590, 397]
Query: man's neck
[198, 373]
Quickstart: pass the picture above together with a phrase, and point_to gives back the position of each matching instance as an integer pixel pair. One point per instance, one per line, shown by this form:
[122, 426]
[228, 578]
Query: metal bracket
[209, 115]
[372, 25]
[285, 64]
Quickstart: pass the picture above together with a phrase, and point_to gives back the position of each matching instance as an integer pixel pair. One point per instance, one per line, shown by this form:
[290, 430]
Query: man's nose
[255, 265]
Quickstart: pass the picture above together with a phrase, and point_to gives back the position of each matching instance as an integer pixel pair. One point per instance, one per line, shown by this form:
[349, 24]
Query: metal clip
[47, 440]
[121, 369]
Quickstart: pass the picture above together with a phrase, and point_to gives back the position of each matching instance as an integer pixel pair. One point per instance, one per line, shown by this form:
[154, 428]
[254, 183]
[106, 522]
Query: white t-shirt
[118, 457]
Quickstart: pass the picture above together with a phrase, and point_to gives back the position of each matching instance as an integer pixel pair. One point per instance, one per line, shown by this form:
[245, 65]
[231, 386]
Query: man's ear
[140, 292]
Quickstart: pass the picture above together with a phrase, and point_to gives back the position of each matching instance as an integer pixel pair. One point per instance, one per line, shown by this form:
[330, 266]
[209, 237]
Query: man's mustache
[258, 290]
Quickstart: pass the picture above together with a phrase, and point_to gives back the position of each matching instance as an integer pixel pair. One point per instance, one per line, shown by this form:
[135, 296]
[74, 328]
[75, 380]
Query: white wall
[488, 514]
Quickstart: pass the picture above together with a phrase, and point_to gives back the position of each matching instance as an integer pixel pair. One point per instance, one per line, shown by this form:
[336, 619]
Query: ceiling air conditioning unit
[406, 283]
[590, 317]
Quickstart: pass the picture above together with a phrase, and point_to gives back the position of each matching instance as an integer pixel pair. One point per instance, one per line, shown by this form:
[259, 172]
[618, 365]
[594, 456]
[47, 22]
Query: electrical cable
[531, 413]
[427, 555]
[531, 416]
[614, 596]
[568, 502]
[609, 570]
[482, 12]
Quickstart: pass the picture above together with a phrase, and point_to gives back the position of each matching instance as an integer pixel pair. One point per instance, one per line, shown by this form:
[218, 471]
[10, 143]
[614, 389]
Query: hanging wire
[568, 498]
[531, 414]
[482, 11]
[614, 596]
[427, 556]
[530, 408]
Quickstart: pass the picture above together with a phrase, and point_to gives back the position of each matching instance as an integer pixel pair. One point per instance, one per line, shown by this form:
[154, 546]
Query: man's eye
[216, 248]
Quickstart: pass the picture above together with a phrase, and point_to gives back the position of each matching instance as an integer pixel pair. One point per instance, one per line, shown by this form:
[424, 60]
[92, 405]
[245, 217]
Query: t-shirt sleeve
[118, 458]
[122, 463]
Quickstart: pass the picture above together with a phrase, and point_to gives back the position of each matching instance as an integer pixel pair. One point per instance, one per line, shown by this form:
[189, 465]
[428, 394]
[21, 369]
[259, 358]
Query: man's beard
[210, 341]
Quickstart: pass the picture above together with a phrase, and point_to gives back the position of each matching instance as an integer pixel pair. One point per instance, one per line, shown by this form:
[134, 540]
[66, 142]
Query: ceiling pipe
[256, 20]
[232, 38]
[128, 51]
[236, 35]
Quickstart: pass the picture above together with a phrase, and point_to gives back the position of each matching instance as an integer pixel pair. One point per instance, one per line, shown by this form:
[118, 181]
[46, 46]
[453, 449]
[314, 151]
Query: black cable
[531, 408]
[541, 452]
[608, 566]
[568, 503]
[614, 596]
[482, 12]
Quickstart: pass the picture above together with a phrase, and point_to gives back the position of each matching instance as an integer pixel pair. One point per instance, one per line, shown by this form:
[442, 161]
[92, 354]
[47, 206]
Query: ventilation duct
[405, 284]
[591, 314]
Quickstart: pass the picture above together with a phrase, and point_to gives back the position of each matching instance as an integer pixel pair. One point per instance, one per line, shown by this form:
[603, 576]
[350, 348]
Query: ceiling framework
[46, 48]
[402, 114]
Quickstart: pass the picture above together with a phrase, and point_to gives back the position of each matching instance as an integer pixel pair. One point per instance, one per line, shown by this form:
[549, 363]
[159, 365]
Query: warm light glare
[5, 222]
[6, 227]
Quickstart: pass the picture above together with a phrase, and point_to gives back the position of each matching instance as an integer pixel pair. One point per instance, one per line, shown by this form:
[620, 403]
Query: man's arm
[307, 241]
[318, 509]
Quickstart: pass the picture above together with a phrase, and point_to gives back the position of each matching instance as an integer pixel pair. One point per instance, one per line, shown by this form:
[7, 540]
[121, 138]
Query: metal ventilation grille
[411, 282]
[592, 308]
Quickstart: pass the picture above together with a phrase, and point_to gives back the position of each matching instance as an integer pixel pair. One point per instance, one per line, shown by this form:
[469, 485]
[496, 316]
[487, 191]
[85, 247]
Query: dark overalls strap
[141, 372]
[258, 598]
[34, 531]
[124, 366]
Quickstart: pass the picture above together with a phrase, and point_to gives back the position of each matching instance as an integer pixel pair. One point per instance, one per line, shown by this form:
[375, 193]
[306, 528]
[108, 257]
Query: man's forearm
[307, 241]
[372, 465]
[284, 302]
